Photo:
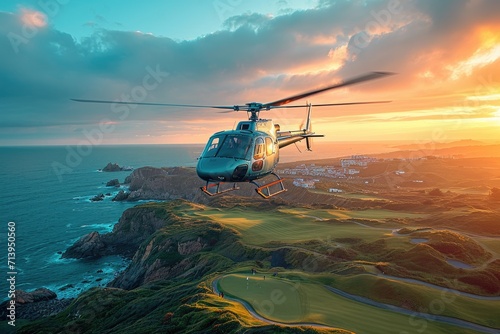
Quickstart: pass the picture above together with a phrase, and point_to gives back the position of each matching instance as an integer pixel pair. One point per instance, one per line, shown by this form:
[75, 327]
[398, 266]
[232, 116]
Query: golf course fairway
[291, 301]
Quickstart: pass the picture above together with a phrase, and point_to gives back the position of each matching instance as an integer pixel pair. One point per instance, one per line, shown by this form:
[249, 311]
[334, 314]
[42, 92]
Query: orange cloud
[33, 18]
[487, 52]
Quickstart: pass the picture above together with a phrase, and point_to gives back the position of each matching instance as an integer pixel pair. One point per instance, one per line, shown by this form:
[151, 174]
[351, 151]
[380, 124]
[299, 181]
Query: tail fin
[308, 120]
[286, 138]
[308, 128]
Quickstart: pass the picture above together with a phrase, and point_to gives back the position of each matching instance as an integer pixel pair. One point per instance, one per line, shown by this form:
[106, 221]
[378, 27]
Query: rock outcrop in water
[121, 196]
[89, 246]
[111, 167]
[42, 294]
[113, 183]
[34, 305]
[98, 198]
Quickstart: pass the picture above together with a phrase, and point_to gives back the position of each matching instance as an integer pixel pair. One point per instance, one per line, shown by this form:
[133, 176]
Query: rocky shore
[134, 226]
[35, 305]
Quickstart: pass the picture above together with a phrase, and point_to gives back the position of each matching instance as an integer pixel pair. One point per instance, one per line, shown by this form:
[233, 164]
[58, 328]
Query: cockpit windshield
[228, 146]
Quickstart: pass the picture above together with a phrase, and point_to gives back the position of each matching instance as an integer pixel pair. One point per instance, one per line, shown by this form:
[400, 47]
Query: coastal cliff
[164, 245]
[135, 225]
[172, 258]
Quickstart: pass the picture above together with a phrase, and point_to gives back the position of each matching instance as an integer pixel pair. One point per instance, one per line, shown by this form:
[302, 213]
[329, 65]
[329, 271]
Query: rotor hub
[253, 110]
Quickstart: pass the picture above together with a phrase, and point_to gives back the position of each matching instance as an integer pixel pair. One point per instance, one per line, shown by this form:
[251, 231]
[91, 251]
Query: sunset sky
[446, 56]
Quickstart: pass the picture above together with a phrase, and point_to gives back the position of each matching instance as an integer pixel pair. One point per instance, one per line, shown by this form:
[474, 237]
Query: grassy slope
[195, 309]
[419, 298]
[291, 225]
[260, 228]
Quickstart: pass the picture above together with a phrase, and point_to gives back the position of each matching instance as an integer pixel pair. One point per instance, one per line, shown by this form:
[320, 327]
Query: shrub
[435, 192]
[168, 317]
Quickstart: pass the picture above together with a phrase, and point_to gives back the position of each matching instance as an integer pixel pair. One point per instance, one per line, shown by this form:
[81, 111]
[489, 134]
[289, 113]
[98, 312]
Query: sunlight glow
[496, 114]
[338, 57]
[487, 53]
[491, 97]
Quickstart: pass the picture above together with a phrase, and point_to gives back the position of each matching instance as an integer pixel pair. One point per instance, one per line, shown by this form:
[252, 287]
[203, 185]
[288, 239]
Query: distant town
[308, 175]
[346, 170]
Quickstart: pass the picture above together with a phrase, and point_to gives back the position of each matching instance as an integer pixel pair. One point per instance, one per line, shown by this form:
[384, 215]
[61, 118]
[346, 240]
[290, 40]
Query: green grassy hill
[184, 247]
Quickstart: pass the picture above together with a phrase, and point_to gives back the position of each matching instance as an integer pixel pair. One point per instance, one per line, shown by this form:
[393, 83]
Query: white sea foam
[57, 258]
[106, 227]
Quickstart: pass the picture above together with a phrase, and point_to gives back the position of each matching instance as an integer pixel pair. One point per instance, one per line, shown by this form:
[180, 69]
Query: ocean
[46, 194]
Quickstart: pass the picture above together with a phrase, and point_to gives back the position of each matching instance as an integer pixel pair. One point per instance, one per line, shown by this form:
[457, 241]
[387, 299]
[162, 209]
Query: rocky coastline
[34, 305]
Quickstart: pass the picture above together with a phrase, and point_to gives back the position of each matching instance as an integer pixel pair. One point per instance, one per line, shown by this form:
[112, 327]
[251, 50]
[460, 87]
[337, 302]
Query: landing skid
[265, 190]
[214, 189]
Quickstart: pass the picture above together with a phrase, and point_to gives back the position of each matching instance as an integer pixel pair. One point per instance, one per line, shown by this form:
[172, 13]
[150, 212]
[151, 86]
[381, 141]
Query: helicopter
[250, 151]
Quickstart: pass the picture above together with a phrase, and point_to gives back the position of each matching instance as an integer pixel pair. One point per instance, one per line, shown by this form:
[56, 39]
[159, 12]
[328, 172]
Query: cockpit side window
[212, 147]
[258, 152]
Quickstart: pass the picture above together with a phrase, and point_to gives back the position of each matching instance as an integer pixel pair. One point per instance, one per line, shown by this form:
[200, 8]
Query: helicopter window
[269, 146]
[212, 147]
[235, 146]
[259, 149]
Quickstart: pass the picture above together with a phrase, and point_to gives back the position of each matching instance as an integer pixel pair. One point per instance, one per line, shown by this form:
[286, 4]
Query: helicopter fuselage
[251, 150]
[247, 153]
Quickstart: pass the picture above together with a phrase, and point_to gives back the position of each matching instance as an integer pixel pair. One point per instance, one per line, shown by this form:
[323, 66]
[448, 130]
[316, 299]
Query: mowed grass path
[294, 302]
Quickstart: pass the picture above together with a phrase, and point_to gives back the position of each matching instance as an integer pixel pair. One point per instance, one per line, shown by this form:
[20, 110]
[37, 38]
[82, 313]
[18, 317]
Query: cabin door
[264, 155]
[259, 155]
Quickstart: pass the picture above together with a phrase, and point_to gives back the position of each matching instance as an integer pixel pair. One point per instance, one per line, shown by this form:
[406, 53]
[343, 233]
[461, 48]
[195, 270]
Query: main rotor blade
[352, 81]
[155, 104]
[329, 104]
